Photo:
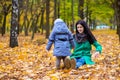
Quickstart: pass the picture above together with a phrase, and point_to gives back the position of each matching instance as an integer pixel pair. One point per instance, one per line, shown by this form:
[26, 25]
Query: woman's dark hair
[87, 31]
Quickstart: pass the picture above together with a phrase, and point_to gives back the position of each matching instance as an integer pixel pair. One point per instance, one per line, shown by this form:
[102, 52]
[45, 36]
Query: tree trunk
[35, 28]
[0, 23]
[20, 27]
[26, 18]
[32, 17]
[58, 8]
[42, 19]
[90, 20]
[55, 9]
[87, 17]
[94, 23]
[72, 10]
[4, 25]
[20, 2]
[47, 18]
[14, 24]
[80, 9]
[118, 18]
[33, 25]
[64, 10]
[117, 13]
[6, 11]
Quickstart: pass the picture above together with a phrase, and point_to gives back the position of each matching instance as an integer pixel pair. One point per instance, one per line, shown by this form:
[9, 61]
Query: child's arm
[50, 41]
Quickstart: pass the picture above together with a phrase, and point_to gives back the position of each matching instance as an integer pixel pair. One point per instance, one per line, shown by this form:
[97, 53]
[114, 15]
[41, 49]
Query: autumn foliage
[30, 61]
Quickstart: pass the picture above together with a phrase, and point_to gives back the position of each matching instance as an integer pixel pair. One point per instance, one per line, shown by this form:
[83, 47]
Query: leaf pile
[30, 61]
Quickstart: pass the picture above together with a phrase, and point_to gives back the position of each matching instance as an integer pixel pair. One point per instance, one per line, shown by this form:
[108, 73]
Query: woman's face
[80, 28]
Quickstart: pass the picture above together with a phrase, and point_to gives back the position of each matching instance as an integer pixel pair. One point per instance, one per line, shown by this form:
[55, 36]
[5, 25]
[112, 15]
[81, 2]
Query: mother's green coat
[83, 50]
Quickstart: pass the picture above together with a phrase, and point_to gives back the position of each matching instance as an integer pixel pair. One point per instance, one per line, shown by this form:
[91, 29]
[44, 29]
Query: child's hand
[96, 55]
[72, 50]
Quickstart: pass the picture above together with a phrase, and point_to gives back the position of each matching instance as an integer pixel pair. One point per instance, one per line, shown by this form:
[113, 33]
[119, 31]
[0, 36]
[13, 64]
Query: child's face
[80, 28]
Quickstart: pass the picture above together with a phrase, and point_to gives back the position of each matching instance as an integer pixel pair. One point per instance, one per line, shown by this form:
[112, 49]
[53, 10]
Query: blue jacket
[62, 39]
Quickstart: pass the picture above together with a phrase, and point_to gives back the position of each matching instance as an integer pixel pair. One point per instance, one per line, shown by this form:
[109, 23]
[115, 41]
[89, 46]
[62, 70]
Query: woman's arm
[98, 47]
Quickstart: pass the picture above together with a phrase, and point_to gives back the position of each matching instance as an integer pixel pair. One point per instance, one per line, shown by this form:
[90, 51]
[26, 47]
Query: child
[83, 40]
[62, 39]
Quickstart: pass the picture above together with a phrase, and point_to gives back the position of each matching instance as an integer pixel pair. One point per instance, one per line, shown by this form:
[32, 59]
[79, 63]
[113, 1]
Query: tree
[58, 8]
[47, 18]
[0, 21]
[72, 10]
[14, 24]
[80, 9]
[19, 14]
[117, 3]
[55, 9]
[42, 17]
[34, 24]
[6, 10]
[26, 18]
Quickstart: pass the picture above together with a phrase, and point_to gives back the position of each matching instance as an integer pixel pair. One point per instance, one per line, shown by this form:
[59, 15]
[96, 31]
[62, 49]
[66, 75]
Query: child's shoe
[73, 63]
[67, 63]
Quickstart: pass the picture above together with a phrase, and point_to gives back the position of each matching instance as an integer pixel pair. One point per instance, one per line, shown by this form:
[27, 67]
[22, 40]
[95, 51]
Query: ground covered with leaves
[30, 61]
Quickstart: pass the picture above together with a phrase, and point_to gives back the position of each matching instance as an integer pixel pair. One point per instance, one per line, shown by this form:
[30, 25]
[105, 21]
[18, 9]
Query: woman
[83, 40]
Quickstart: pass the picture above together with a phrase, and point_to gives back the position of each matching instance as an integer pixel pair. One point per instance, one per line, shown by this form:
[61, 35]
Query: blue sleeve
[50, 41]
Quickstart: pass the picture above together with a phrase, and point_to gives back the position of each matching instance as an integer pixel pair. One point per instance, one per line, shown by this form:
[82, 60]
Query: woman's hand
[96, 55]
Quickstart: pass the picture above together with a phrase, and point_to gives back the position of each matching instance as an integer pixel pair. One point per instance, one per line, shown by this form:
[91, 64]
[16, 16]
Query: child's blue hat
[58, 20]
